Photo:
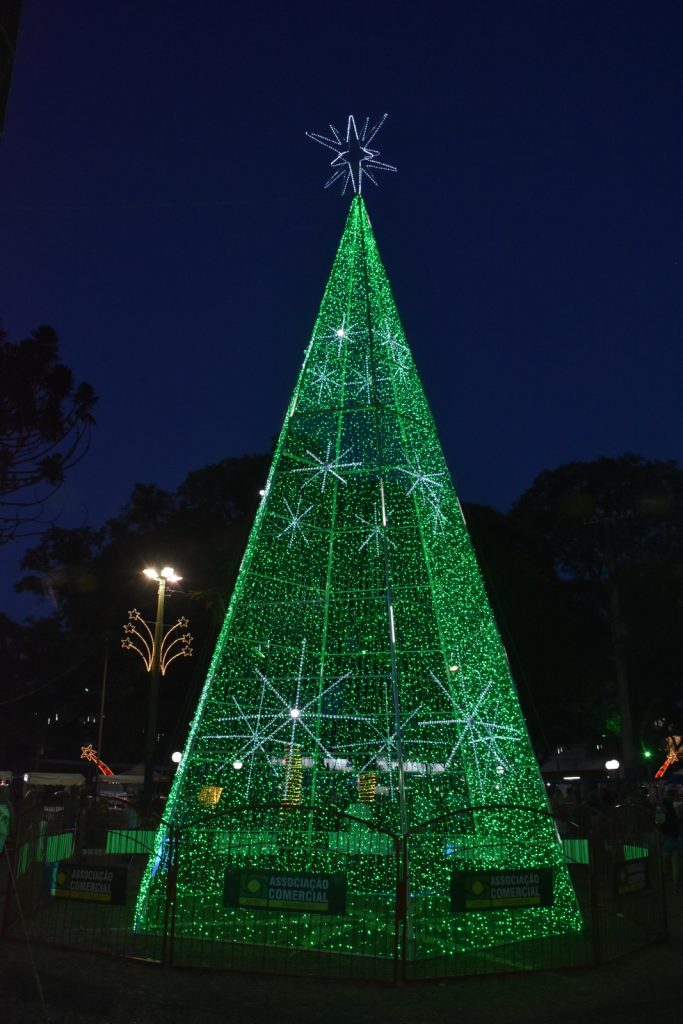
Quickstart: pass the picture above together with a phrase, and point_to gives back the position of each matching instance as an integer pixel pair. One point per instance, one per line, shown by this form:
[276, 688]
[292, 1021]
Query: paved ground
[87, 989]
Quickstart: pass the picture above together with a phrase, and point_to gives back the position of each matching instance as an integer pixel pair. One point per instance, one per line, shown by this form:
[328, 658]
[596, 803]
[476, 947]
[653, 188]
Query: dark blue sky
[161, 207]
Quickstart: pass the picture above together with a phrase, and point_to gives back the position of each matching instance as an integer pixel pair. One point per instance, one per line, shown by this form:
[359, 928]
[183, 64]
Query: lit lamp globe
[612, 765]
[167, 573]
[176, 757]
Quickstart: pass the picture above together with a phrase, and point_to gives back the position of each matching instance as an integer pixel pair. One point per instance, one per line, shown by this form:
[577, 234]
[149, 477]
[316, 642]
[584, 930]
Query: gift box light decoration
[359, 685]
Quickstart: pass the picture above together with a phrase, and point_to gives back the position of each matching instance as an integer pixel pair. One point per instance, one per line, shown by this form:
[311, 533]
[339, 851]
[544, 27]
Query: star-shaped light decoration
[354, 160]
[140, 638]
[90, 754]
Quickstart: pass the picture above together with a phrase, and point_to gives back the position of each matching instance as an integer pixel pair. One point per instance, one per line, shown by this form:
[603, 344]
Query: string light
[354, 157]
[90, 754]
[209, 796]
[294, 774]
[366, 787]
[358, 672]
[139, 637]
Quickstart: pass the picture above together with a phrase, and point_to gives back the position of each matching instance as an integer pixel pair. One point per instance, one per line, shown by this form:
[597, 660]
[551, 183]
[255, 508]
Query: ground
[88, 989]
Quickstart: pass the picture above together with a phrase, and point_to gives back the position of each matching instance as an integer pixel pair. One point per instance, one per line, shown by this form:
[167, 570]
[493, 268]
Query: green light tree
[359, 688]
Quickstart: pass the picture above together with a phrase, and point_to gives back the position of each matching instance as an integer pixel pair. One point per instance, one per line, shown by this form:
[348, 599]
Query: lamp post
[103, 691]
[618, 631]
[152, 713]
[157, 650]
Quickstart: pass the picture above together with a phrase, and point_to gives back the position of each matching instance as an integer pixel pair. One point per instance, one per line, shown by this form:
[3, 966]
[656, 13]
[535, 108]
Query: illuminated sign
[501, 890]
[277, 890]
[631, 876]
[91, 883]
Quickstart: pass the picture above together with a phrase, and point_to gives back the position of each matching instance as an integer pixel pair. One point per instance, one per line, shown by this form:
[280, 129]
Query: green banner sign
[502, 890]
[91, 883]
[631, 876]
[275, 890]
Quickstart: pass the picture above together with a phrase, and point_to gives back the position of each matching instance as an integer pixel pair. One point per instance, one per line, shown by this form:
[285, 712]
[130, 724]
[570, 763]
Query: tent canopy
[54, 779]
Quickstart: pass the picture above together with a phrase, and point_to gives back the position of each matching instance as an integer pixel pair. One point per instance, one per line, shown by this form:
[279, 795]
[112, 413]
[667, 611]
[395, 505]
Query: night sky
[162, 208]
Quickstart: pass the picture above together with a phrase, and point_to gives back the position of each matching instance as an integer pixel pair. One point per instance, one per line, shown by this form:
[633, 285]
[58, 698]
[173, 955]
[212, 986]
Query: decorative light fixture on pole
[157, 650]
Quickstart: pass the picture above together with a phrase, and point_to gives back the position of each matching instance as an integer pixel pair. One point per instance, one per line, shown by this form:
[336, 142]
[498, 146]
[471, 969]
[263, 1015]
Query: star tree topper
[354, 157]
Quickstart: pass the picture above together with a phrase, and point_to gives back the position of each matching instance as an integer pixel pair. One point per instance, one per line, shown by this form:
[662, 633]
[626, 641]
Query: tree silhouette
[612, 529]
[88, 579]
[45, 424]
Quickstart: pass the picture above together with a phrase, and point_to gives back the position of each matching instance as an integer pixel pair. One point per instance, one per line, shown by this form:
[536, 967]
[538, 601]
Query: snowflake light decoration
[397, 350]
[340, 333]
[483, 734]
[361, 380]
[375, 530]
[328, 466]
[427, 484]
[294, 521]
[354, 157]
[287, 716]
[323, 380]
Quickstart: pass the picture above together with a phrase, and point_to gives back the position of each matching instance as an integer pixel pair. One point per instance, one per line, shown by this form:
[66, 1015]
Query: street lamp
[157, 650]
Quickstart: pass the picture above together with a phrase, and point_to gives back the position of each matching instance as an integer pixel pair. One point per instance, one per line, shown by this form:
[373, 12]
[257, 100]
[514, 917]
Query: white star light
[437, 515]
[428, 484]
[354, 159]
[390, 744]
[477, 732]
[375, 531]
[397, 350]
[280, 721]
[323, 379]
[340, 333]
[329, 466]
[294, 525]
[359, 382]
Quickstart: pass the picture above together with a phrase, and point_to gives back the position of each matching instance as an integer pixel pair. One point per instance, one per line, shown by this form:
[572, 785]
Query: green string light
[359, 672]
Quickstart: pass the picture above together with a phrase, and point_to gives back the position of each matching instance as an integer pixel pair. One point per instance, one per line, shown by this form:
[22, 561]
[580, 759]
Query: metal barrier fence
[76, 886]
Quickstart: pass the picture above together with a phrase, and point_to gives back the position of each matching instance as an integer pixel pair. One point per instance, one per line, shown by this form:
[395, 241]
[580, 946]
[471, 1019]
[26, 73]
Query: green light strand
[358, 672]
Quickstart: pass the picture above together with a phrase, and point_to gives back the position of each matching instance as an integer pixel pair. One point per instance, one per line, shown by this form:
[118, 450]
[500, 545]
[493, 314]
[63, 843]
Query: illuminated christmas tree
[359, 688]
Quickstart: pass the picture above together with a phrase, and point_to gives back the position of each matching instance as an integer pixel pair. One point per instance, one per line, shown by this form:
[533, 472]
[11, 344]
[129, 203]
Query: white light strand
[294, 526]
[328, 466]
[354, 158]
[375, 530]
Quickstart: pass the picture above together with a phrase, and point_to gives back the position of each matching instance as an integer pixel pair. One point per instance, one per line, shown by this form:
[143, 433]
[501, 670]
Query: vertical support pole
[594, 903]
[620, 662]
[12, 862]
[100, 721]
[168, 939]
[150, 746]
[406, 904]
[8, 895]
[103, 691]
[665, 915]
[400, 911]
[398, 740]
